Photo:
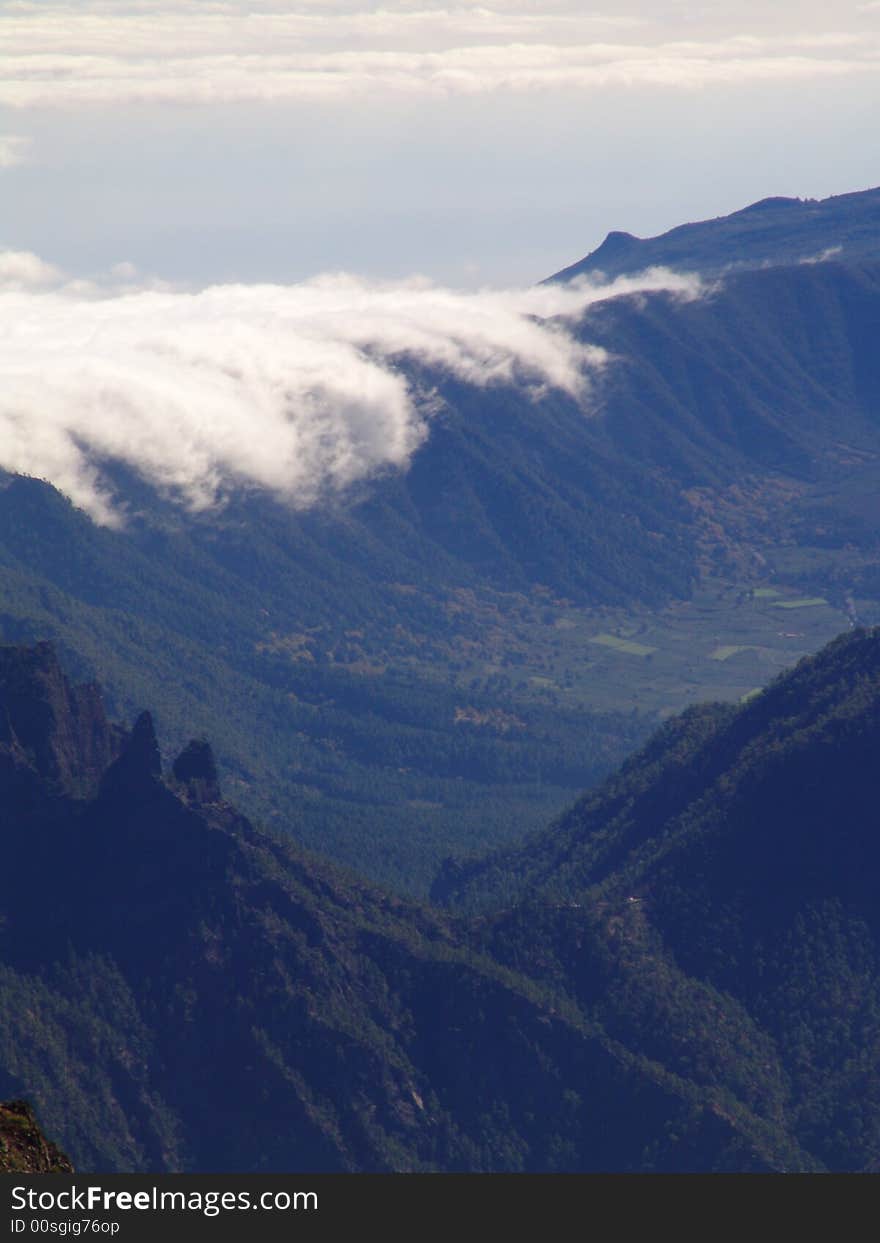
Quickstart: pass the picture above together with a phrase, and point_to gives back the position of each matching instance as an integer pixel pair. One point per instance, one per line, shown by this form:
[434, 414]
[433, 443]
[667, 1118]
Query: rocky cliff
[24, 1148]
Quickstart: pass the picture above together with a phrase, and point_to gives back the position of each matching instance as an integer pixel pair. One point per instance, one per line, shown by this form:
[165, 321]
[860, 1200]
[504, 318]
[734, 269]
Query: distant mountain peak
[773, 231]
[768, 204]
[617, 239]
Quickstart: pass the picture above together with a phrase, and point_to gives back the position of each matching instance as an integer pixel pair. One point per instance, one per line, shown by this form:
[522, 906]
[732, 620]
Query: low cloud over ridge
[299, 389]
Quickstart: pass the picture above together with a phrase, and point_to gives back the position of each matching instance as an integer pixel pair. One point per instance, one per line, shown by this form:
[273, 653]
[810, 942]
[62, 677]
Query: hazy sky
[476, 143]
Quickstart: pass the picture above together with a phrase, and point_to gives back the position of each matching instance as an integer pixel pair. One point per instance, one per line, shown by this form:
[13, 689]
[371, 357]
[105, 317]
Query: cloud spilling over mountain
[299, 389]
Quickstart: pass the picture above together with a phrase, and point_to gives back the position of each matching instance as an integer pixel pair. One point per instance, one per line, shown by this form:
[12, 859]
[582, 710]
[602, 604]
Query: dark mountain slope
[774, 371]
[771, 232]
[807, 742]
[691, 982]
[181, 991]
[711, 783]
[366, 659]
[52, 733]
[341, 731]
[730, 869]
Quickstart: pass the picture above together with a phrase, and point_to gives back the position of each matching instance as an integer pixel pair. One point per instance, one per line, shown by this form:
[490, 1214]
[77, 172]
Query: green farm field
[723, 644]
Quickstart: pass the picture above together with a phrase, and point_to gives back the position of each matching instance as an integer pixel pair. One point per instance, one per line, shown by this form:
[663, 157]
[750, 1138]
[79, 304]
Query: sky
[472, 143]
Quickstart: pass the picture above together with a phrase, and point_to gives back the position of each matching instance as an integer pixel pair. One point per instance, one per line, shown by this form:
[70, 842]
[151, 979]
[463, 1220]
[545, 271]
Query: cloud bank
[92, 52]
[300, 390]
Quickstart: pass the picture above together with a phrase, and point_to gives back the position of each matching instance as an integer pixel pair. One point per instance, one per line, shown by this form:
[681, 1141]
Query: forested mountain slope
[731, 865]
[390, 672]
[715, 773]
[180, 991]
[682, 974]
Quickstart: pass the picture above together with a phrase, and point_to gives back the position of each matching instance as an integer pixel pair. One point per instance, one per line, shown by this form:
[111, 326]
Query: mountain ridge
[452, 647]
[736, 853]
[603, 1021]
[770, 232]
[732, 436]
[344, 1024]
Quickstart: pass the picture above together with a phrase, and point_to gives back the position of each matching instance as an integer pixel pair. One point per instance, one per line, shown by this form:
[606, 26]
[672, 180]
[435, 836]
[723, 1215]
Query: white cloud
[20, 269]
[14, 149]
[298, 390]
[91, 53]
[830, 252]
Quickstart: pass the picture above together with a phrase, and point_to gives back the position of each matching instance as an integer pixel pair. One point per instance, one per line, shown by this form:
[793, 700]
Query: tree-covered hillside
[180, 991]
[680, 974]
[718, 896]
[416, 669]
